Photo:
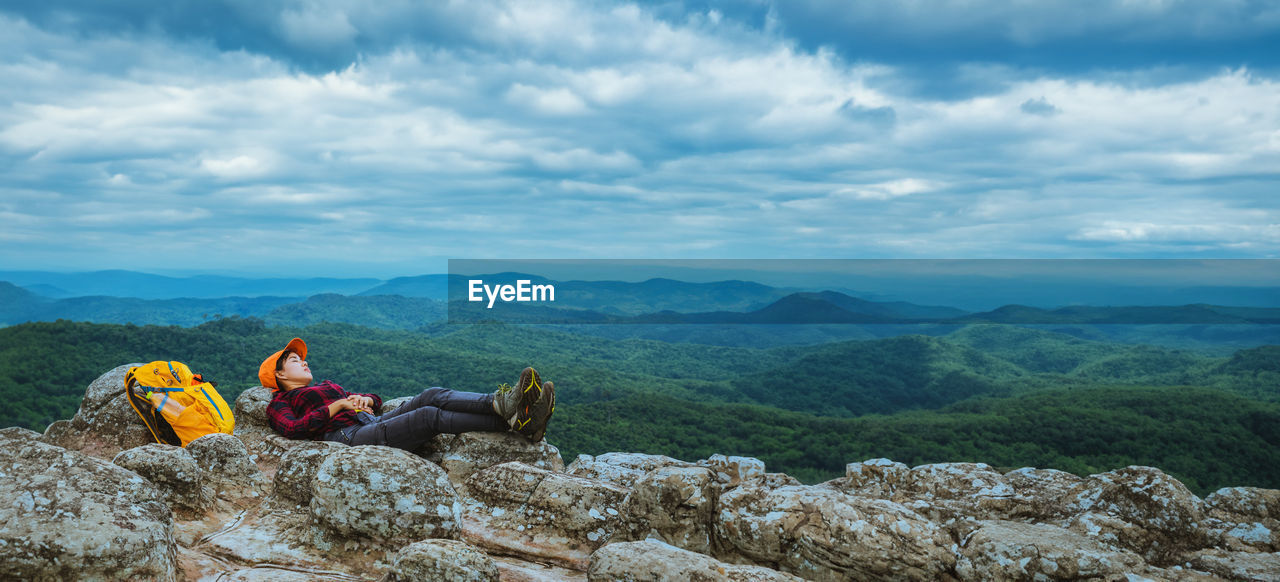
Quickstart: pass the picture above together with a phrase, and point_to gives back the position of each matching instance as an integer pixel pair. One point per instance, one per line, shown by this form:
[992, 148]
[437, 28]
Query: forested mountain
[879, 377]
[998, 394]
[380, 311]
[17, 305]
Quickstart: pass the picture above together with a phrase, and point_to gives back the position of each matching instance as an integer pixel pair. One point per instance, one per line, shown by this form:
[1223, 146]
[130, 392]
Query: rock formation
[92, 499]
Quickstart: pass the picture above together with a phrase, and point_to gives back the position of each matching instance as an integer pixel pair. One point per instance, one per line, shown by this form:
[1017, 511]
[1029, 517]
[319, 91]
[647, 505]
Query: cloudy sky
[319, 137]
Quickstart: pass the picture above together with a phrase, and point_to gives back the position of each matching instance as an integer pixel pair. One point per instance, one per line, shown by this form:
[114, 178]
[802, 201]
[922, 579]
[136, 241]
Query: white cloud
[236, 168]
[608, 119]
[1115, 231]
[1034, 23]
[584, 160]
[888, 190]
[316, 27]
[560, 101]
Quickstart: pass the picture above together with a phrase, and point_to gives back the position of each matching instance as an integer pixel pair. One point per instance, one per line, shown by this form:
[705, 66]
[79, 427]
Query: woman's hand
[340, 405]
[361, 402]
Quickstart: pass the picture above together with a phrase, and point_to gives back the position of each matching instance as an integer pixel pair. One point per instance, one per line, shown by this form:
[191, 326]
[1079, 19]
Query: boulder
[622, 469]
[1039, 493]
[1244, 503]
[251, 407]
[1248, 536]
[544, 515]
[821, 533]
[105, 423]
[70, 516]
[394, 403]
[674, 504]
[472, 451]
[1252, 567]
[227, 469]
[173, 470]
[654, 561]
[1007, 550]
[1139, 509]
[17, 434]
[730, 471]
[1171, 574]
[452, 560]
[383, 494]
[873, 478]
[252, 428]
[945, 491]
[298, 466]
[281, 539]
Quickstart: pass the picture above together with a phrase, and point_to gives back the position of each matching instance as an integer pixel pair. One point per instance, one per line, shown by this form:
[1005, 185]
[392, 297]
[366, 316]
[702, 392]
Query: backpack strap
[211, 402]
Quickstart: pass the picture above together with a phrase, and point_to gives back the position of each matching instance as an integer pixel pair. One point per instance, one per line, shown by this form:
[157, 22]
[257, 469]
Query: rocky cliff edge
[90, 499]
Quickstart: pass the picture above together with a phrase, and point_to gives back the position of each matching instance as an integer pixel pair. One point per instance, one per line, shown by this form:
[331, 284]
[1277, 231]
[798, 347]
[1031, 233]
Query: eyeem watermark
[1062, 292]
[523, 290]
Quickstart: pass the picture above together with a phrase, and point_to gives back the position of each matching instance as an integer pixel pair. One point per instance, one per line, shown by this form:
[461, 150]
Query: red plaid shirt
[303, 413]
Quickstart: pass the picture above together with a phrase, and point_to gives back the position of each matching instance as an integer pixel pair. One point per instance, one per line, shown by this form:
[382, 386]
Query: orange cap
[267, 371]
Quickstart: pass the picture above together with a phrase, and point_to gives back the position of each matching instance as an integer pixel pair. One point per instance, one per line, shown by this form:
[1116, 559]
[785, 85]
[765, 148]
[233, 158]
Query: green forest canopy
[1003, 395]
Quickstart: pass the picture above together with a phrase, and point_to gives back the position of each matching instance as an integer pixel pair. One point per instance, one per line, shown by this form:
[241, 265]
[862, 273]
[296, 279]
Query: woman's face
[295, 373]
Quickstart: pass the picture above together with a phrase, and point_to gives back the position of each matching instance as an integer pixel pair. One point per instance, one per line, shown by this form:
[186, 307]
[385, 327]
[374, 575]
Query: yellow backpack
[178, 406]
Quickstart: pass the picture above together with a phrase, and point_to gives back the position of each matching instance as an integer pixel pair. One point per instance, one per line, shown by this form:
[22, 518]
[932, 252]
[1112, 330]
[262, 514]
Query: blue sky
[326, 138]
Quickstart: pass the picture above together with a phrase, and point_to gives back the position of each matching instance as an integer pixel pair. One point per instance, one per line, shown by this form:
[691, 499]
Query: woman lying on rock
[325, 411]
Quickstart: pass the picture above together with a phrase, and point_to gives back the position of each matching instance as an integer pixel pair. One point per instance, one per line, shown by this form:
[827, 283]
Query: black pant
[434, 411]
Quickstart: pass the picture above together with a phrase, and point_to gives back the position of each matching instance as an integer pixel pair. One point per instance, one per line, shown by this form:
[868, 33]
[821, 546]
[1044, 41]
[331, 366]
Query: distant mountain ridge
[969, 293]
[120, 283]
[831, 307]
[654, 301]
[18, 305]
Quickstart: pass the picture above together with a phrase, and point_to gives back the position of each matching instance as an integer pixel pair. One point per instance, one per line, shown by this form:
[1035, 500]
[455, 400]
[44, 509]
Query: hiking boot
[540, 415]
[515, 404]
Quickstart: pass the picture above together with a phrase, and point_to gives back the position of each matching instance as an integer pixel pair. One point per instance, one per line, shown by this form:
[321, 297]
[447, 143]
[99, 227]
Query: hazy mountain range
[412, 302]
[968, 293]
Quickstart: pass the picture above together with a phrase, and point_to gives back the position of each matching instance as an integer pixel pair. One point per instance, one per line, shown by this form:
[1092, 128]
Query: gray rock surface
[1139, 509]
[346, 513]
[173, 470]
[821, 533]
[394, 403]
[874, 478]
[654, 561]
[1244, 536]
[946, 491]
[543, 514]
[438, 560]
[622, 469]
[297, 469]
[470, 452]
[1006, 550]
[1253, 567]
[70, 516]
[250, 411]
[730, 471]
[1039, 494]
[384, 495]
[227, 468]
[675, 504]
[1244, 503]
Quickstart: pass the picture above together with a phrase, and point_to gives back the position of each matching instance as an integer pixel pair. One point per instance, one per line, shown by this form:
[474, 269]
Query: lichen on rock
[383, 494]
[77, 517]
[173, 470]
[450, 560]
